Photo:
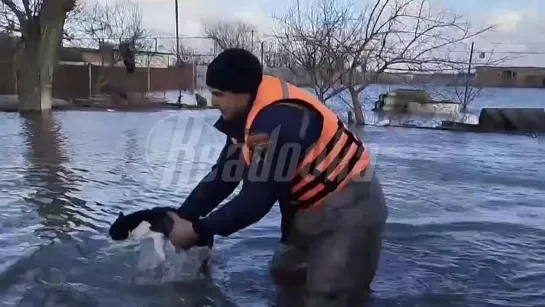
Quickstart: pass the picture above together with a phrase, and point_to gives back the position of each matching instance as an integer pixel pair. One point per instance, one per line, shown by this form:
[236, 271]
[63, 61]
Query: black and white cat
[158, 220]
[155, 224]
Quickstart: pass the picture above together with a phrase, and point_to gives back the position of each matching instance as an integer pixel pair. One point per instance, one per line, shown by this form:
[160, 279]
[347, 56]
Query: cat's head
[158, 219]
[119, 229]
[124, 224]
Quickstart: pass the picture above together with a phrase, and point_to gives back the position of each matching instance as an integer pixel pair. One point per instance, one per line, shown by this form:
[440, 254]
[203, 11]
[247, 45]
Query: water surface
[465, 229]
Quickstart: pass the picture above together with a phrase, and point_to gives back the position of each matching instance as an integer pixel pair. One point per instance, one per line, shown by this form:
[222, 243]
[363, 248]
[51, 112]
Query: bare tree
[185, 55]
[227, 34]
[109, 25]
[407, 36]
[456, 93]
[313, 40]
[274, 55]
[40, 24]
[463, 88]
[387, 36]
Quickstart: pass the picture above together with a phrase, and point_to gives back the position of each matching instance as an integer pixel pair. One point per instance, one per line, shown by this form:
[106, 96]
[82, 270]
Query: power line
[144, 38]
[486, 51]
[496, 52]
[273, 37]
[515, 43]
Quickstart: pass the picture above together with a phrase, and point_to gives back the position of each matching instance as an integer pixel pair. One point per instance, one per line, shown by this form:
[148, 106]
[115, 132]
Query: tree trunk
[29, 87]
[41, 42]
[358, 112]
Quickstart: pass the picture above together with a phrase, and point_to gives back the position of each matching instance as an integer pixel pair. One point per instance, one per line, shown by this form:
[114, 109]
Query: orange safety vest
[337, 157]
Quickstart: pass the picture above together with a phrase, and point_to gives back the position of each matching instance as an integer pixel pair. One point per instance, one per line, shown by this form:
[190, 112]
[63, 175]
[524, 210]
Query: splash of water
[158, 260]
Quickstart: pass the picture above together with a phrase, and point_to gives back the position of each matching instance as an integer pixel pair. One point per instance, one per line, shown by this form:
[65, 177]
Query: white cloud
[507, 21]
[515, 36]
[159, 18]
[512, 21]
[515, 28]
[159, 14]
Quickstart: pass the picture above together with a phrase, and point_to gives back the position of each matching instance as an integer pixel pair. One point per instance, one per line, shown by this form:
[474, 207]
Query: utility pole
[177, 45]
[262, 53]
[252, 41]
[299, 12]
[466, 91]
[177, 33]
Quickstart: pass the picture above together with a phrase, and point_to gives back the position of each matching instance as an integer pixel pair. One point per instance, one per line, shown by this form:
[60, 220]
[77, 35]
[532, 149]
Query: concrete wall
[200, 78]
[511, 77]
[512, 119]
[7, 78]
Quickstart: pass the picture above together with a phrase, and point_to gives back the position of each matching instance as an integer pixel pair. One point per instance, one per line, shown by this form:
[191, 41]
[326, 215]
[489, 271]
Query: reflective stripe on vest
[337, 157]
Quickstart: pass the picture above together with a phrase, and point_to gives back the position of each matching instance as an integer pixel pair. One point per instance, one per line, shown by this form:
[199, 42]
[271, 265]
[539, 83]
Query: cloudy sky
[519, 25]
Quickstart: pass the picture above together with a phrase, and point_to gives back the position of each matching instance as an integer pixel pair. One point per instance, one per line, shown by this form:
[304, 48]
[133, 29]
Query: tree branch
[109, 25]
[15, 10]
[232, 34]
[28, 11]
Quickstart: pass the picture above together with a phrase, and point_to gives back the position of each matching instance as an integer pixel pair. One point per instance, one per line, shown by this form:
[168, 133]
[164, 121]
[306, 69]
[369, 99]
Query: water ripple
[465, 229]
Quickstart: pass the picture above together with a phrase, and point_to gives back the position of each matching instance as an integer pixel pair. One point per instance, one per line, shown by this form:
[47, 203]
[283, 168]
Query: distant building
[451, 79]
[510, 76]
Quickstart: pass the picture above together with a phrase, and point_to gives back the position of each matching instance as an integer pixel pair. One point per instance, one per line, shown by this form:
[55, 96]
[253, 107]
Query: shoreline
[132, 103]
[474, 129]
[153, 107]
[162, 106]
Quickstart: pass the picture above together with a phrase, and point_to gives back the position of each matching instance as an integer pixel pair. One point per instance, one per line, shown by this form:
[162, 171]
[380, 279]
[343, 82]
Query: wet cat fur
[158, 219]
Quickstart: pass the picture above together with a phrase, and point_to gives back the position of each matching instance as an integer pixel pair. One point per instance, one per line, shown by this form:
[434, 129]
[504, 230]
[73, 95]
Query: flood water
[466, 225]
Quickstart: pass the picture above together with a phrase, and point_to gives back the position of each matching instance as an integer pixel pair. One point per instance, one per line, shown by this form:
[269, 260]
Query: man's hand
[182, 235]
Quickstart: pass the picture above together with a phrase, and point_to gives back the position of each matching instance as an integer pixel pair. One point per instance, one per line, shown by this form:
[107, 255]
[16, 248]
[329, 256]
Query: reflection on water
[55, 272]
[49, 177]
[466, 225]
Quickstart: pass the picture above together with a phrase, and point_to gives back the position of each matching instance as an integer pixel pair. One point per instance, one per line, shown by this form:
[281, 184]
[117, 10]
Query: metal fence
[83, 81]
[188, 71]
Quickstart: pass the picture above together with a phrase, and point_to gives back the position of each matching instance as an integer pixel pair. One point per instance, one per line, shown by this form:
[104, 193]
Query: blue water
[466, 224]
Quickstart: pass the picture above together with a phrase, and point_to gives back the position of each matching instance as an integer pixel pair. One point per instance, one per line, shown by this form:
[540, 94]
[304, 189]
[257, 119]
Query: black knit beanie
[235, 70]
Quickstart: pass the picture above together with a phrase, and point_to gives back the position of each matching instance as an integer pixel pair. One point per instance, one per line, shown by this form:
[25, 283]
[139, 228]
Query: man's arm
[217, 185]
[258, 196]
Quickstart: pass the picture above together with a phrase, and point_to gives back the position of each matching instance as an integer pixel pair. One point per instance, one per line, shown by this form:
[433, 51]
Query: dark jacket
[292, 125]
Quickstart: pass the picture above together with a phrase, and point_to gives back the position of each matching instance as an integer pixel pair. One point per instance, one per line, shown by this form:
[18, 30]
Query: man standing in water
[296, 151]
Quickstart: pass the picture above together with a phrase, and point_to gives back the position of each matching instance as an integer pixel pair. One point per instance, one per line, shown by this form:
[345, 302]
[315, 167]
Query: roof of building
[511, 68]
